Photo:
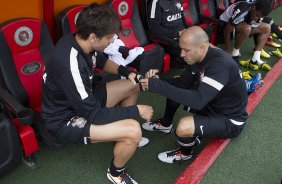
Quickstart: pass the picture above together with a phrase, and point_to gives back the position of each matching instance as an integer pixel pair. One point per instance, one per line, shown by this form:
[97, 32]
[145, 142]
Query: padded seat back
[66, 19]
[132, 33]
[25, 44]
[191, 16]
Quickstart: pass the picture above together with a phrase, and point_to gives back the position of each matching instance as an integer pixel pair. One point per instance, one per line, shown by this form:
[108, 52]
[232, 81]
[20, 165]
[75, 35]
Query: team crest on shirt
[178, 5]
[123, 8]
[23, 36]
[78, 122]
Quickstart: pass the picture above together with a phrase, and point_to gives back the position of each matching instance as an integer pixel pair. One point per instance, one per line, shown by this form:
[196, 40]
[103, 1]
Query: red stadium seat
[153, 54]
[192, 18]
[25, 45]
[133, 35]
[221, 6]
[67, 18]
[232, 1]
[208, 15]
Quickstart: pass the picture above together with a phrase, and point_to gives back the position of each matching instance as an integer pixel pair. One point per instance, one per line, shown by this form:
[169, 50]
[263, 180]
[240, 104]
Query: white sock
[256, 57]
[235, 52]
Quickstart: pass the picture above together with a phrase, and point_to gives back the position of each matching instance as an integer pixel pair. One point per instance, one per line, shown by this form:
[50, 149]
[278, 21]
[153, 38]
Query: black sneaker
[121, 179]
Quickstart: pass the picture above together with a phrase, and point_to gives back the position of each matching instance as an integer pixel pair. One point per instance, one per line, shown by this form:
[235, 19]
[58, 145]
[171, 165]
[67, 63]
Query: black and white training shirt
[221, 90]
[238, 13]
[67, 88]
[165, 17]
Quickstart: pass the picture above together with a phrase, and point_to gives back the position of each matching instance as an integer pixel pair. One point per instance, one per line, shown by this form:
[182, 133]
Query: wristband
[123, 71]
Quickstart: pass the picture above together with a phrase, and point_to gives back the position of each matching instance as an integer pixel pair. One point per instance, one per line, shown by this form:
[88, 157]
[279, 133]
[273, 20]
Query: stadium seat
[221, 6]
[134, 35]
[208, 15]
[66, 19]
[275, 3]
[66, 23]
[25, 45]
[170, 45]
[10, 152]
[191, 16]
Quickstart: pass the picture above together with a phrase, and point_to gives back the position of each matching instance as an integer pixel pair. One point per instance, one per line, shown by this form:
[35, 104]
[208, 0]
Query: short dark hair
[99, 19]
[264, 6]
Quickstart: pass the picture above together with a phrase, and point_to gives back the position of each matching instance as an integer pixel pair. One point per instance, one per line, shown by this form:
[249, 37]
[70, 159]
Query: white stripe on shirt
[153, 10]
[212, 83]
[76, 74]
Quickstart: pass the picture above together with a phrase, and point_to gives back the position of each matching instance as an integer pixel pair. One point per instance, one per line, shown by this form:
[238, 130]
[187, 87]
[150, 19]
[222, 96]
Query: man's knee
[186, 127]
[243, 29]
[265, 28]
[134, 131]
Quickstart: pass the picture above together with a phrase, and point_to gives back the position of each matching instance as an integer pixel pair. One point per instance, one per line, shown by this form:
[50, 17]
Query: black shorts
[216, 126]
[77, 129]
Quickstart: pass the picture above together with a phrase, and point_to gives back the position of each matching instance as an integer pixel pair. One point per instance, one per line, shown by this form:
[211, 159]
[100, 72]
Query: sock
[171, 107]
[115, 171]
[186, 144]
[256, 57]
[235, 52]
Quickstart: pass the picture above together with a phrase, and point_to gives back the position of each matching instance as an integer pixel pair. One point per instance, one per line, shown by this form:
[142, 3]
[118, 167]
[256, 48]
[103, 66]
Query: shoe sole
[157, 130]
[187, 158]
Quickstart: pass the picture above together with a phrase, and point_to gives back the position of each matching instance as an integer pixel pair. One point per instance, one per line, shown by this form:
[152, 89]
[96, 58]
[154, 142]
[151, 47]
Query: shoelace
[126, 179]
[174, 152]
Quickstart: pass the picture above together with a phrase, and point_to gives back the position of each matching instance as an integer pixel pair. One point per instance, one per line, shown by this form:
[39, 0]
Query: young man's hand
[144, 84]
[152, 73]
[135, 77]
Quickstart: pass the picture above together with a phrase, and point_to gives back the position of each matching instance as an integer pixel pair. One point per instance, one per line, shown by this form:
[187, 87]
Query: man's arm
[111, 67]
[212, 83]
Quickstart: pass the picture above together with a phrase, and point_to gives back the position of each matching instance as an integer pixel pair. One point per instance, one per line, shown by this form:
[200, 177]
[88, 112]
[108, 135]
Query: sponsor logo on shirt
[171, 18]
[235, 13]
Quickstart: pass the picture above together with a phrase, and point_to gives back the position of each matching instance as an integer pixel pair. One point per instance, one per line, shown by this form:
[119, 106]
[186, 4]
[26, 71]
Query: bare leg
[186, 127]
[123, 92]
[126, 133]
[242, 32]
[263, 31]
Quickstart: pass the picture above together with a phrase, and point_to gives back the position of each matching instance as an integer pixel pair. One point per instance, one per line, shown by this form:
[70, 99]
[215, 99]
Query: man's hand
[146, 112]
[134, 77]
[152, 73]
[144, 84]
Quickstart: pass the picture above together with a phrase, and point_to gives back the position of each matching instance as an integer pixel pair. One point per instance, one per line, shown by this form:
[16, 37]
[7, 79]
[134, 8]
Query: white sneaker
[121, 179]
[157, 126]
[173, 156]
[144, 141]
